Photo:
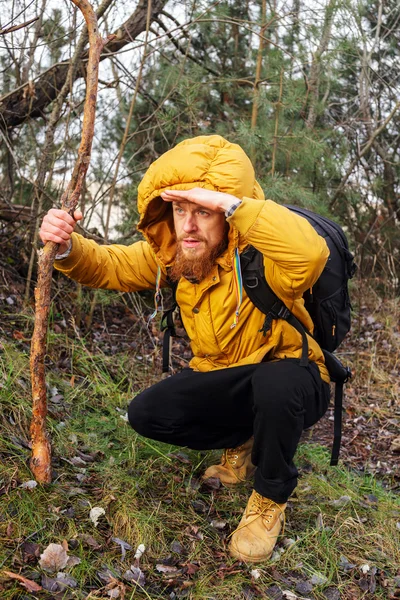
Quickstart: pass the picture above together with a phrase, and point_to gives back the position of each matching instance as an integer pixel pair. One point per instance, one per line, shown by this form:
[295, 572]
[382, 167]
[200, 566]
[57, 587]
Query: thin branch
[16, 27]
[184, 52]
[256, 90]
[366, 148]
[128, 123]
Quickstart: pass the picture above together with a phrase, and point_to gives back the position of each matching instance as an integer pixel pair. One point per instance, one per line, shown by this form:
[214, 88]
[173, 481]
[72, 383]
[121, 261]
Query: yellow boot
[235, 465]
[261, 524]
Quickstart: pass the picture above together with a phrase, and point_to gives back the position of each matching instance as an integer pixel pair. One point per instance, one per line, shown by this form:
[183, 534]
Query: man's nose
[190, 224]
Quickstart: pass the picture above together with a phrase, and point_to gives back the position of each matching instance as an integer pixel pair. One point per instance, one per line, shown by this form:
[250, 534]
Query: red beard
[195, 268]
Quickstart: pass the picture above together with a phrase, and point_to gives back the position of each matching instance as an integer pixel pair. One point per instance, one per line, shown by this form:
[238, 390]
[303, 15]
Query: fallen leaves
[59, 583]
[123, 545]
[30, 585]
[90, 541]
[30, 552]
[95, 513]
[135, 574]
[168, 569]
[55, 558]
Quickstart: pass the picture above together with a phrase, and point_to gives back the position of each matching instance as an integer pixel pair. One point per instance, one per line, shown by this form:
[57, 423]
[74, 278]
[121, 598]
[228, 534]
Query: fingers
[58, 225]
[210, 199]
[171, 195]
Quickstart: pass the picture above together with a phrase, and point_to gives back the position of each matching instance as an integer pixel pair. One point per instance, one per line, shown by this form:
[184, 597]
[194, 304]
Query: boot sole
[226, 484]
[248, 559]
[231, 484]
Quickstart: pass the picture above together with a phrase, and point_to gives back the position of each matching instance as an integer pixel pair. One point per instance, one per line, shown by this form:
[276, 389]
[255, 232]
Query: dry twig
[16, 27]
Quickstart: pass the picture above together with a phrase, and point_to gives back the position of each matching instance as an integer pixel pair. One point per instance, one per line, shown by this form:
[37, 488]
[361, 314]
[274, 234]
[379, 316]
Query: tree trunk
[315, 71]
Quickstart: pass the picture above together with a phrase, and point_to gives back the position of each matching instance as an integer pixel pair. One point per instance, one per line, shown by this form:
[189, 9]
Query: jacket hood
[209, 162]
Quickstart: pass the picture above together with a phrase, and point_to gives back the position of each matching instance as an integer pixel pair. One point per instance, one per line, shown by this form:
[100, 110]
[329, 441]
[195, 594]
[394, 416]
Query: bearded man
[245, 392]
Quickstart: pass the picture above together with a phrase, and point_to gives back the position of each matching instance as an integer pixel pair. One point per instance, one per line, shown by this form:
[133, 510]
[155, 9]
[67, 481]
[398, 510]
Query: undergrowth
[341, 532]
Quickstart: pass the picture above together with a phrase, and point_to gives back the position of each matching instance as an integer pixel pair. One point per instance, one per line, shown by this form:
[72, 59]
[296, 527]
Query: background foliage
[309, 88]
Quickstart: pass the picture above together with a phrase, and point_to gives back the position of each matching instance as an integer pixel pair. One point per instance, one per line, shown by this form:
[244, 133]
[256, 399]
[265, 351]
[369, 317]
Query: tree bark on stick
[41, 449]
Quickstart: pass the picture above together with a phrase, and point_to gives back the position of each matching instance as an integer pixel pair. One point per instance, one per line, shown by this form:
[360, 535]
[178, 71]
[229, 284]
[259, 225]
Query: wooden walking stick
[41, 449]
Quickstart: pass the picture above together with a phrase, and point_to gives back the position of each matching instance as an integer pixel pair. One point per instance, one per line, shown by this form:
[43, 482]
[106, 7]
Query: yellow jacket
[294, 257]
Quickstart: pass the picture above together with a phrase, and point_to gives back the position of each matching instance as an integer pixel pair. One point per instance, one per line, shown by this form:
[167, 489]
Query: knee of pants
[138, 416]
[278, 398]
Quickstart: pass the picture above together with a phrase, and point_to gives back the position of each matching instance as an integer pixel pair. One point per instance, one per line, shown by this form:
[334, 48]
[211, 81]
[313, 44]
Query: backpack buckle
[283, 312]
[349, 374]
[251, 282]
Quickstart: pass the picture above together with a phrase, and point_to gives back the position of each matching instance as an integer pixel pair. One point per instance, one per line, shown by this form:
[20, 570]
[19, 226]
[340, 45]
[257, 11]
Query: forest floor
[160, 532]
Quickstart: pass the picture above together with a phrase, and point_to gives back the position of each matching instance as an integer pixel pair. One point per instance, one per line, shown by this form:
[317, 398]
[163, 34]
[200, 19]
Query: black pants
[274, 401]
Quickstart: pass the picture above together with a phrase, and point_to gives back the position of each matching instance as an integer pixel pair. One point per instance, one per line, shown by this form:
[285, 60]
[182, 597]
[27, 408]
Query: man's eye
[203, 213]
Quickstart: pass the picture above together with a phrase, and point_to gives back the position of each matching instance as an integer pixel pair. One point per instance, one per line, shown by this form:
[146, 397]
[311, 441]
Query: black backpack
[328, 304]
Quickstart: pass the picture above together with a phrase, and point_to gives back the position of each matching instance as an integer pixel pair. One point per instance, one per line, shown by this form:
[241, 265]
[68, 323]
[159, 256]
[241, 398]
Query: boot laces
[232, 454]
[265, 508]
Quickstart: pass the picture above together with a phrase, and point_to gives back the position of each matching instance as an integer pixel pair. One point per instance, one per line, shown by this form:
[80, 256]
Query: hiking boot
[261, 524]
[235, 466]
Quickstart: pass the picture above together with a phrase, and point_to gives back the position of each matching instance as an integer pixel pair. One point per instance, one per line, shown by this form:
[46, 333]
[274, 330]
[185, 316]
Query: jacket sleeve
[294, 253]
[114, 267]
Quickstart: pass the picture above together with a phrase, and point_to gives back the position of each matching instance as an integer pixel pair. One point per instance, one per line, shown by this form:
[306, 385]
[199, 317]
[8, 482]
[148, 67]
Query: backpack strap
[168, 327]
[267, 301]
[339, 374]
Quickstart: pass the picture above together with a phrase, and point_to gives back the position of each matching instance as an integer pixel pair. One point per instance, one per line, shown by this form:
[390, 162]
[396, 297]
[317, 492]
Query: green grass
[151, 497]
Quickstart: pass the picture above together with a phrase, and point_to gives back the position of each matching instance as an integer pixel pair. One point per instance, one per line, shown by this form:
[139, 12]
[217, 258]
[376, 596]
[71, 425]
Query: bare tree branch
[366, 148]
[16, 27]
[31, 99]
[315, 71]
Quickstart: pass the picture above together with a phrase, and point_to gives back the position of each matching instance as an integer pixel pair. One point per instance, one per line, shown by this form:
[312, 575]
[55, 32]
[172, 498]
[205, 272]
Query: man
[246, 392]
